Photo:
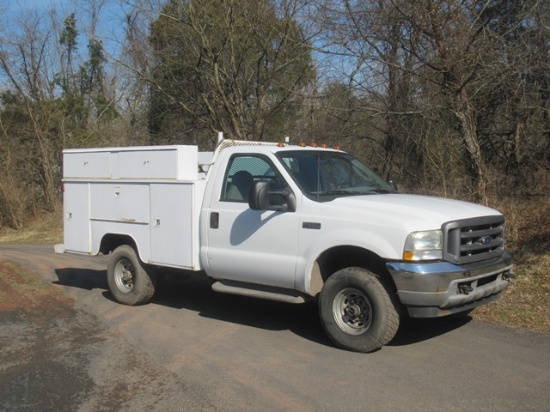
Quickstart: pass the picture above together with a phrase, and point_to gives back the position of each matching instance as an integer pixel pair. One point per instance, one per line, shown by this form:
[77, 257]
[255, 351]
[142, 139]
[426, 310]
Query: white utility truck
[283, 222]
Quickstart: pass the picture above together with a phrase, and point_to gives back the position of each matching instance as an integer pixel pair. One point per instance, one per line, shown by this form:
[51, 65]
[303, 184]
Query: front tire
[128, 281]
[357, 311]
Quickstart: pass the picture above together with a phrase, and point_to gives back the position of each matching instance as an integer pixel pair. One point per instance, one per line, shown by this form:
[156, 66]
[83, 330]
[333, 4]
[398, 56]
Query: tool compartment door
[173, 228]
[76, 219]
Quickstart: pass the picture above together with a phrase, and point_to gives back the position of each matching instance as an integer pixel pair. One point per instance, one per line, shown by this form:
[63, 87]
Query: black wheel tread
[384, 326]
[144, 286]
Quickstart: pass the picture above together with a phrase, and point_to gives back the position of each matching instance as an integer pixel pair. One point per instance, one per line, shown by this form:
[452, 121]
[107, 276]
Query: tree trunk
[466, 113]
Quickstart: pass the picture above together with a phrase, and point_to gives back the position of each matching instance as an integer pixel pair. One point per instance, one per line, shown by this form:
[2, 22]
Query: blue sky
[33, 4]
[15, 14]
[110, 28]
[16, 6]
[63, 5]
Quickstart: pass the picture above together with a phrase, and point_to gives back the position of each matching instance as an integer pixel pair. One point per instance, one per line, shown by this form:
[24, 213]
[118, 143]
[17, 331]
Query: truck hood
[419, 212]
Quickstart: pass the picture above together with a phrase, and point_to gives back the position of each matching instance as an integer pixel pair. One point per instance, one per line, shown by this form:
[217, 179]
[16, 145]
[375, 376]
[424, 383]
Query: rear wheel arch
[111, 241]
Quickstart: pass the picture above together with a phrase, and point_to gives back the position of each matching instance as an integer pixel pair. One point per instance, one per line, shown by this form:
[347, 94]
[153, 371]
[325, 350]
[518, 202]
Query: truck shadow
[413, 331]
[81, 278]
[194, 293]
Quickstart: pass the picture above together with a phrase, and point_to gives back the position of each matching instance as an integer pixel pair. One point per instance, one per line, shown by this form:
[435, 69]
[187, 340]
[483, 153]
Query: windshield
[325, 175]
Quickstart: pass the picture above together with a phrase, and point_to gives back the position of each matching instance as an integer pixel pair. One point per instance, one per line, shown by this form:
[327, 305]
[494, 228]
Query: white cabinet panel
[172, 227]
[76, 211]
[122, 202]
[86, 165]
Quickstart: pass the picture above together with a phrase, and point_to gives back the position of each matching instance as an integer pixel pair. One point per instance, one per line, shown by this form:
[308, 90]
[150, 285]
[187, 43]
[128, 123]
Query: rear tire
[129, 282]
[357, 311]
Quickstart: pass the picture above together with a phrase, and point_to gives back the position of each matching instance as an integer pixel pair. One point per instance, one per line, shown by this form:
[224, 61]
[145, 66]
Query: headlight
[426, 245]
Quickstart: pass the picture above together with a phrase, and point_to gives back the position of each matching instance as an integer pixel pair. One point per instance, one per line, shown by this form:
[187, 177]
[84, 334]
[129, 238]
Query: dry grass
[46, 228]
[13, 278]
[21, 290]
[525, 304]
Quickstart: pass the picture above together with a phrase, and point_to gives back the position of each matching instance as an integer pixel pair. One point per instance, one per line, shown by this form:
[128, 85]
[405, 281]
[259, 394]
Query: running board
[258, 291]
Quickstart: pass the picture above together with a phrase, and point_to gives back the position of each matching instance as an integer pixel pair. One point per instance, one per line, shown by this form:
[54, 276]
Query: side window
[242, 172]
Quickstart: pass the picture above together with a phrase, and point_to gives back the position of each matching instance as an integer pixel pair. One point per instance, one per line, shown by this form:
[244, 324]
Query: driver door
[248, 245]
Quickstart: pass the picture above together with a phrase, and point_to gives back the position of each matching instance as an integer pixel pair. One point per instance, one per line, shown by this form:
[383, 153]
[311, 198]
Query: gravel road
[71, 347]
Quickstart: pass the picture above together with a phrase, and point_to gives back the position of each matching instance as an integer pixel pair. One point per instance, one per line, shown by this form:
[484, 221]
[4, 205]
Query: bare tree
[450, 64]
[27, 62]
[49, 93]
[234, 66]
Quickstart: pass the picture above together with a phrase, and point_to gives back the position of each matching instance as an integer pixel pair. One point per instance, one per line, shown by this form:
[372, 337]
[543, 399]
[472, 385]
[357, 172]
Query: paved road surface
[193, 349]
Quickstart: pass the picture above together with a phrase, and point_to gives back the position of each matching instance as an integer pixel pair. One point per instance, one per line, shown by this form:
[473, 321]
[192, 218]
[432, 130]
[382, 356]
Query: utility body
[283, 222]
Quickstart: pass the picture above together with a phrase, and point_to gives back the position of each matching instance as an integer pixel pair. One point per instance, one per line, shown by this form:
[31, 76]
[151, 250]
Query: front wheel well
[340, 257]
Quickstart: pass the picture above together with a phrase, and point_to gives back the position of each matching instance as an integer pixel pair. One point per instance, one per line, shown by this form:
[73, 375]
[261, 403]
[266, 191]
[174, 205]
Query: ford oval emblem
[485, 240]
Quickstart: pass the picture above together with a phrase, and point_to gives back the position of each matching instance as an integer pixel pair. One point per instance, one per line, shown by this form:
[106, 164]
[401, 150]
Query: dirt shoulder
[22, 292]
[56, 357]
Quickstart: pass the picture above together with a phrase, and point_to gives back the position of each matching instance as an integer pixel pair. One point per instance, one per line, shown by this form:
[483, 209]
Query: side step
[258, 291]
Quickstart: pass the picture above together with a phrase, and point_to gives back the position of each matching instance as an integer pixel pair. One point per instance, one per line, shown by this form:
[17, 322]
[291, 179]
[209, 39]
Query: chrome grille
[473, 240]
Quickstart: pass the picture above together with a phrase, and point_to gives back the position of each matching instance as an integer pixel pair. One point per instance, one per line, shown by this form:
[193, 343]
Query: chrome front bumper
[436, 289]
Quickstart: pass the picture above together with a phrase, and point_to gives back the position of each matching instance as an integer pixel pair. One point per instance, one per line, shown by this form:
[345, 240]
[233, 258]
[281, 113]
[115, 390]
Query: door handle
[214, 220]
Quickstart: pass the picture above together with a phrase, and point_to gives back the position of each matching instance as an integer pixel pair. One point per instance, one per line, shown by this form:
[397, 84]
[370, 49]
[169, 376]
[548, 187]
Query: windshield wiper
[345, 192]
[383, 191]
[376, 191]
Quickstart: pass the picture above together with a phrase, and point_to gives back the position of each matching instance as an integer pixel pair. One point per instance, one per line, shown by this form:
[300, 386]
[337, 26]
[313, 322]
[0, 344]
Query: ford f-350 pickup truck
[283, 222]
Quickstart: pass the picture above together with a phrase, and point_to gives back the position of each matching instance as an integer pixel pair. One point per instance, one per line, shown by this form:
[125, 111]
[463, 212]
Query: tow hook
[508, 276]
[465, 289]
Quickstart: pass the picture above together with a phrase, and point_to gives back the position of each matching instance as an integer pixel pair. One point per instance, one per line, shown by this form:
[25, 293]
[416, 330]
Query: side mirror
[258, 198]
[261, 198]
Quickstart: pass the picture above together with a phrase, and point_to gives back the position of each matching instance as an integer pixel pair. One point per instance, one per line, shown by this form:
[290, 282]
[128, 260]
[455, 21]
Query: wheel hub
[127, 277]
[124, 276]
[352, 311]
